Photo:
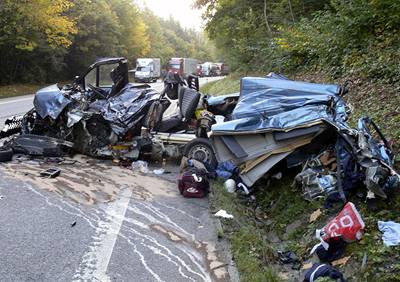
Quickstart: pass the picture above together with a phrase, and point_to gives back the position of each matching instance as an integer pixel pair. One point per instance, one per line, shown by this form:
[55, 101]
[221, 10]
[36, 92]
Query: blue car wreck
[299, 123]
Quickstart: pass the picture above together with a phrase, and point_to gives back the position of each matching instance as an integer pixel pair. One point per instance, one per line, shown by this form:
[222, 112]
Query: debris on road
[6, 154]
[50, 173]
[194, 179]
[140, 166]
[391, 232]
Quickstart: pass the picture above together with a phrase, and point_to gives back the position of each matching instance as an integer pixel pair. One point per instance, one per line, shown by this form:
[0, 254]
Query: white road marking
[95, 262]
[17, 100]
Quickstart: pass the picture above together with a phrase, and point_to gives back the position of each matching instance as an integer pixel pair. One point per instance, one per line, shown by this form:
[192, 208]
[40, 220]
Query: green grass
[227, 85]
[14, 90]
[250, 250]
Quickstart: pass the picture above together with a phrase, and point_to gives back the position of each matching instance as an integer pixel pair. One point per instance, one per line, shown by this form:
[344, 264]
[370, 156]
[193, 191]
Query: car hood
[50, 101]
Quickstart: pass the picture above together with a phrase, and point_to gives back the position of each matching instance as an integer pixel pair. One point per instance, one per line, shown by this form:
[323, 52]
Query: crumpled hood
[280, 104]
[50, 101]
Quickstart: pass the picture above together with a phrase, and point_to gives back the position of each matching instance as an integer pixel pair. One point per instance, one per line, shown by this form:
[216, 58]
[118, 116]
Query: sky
[180, 10]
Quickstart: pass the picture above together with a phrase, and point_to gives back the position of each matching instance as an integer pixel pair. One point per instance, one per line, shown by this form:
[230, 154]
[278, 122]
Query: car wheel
[6, 154]
[201, 149]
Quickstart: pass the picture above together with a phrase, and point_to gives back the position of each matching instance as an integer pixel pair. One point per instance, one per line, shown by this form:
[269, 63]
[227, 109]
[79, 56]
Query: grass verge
[14, 90]
[227, 85]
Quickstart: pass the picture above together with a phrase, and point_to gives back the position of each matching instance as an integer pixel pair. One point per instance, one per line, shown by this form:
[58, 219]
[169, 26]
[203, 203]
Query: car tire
[202, 150]
[6, 154]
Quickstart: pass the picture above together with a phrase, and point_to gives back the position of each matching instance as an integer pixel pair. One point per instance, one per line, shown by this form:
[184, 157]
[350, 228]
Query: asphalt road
[101, 222]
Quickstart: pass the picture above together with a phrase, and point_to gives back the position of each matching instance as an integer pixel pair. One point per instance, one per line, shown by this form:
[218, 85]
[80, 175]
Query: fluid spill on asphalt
[151, 225]
[88, 182]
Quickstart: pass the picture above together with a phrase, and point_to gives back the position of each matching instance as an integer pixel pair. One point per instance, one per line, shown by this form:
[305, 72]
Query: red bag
[193, 185]
[347, 225]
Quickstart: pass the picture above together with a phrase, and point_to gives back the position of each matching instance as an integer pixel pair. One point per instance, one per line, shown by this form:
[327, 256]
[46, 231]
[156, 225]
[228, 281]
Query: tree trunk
[266, 17]
[291, 11]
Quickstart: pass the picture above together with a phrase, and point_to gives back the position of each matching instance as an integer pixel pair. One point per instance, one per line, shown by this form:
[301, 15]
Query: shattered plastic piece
[223, 214]
[315, 215]
[140, 166]
[347, 225]
[364, 261]
[50, 173]
[314, 184]
[341, 261]
[391, 232]
[323, 270]
[159, 171]
[307, 265]
[230, 185]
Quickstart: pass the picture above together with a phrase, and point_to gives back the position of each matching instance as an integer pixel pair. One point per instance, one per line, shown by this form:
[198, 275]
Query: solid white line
[95, 262]
[16, 101]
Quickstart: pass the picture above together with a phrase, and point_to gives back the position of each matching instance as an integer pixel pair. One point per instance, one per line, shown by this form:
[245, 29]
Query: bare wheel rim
[200, 153]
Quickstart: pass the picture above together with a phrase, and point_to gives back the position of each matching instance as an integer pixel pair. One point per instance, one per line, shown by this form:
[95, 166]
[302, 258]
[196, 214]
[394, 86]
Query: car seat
[188, 100]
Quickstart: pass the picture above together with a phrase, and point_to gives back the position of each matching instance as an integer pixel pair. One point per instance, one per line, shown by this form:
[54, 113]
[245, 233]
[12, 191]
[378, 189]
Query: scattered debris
[391, 232]
[6, 154]
[223, 214]
[347, 225]
[288, 257]
[364, 262]
[141, 166]
[50, 173]
[334, 252]
[230, 185]
[194, 181]
[307, 266]
[323, 270]
[159, 171]
[315, 215]
[341, 261]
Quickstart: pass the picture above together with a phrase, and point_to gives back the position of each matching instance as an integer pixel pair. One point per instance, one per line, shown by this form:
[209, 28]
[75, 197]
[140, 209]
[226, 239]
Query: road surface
[101, 222]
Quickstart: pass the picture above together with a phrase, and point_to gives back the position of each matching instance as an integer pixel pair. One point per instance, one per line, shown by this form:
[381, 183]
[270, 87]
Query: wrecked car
[101, 114]
[277, 120]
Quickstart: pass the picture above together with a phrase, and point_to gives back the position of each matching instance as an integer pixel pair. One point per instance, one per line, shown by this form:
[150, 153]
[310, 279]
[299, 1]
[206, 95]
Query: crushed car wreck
[278, 120]
[271, 120]
[102, 115]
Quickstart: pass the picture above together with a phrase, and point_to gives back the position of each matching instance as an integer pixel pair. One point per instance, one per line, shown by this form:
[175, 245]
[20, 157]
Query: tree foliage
[47, 40]
[339, 36]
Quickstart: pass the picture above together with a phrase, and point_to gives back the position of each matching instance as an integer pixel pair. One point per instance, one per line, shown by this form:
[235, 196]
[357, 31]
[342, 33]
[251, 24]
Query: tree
[24, 32]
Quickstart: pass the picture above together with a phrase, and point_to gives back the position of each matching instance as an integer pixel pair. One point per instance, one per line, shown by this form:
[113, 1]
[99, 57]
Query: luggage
[193, 183]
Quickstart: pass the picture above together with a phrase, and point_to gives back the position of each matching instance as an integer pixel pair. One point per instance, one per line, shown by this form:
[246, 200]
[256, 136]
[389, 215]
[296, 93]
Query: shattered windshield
[104, 75]
[90, 78]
